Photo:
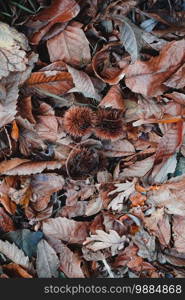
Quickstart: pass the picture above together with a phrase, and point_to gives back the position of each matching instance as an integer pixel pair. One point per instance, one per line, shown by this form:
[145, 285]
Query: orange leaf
[15, 270]
[137, 199]
[56, 82]
[15, 131]
[59, 11]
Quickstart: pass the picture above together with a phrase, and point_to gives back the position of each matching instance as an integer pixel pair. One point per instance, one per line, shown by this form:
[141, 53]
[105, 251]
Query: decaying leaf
[131, 37]
[16, 271]
[146, 245]
[159, 225]
[178, 233]
[83, 83]
[72, 46]
[66, 230]
[124, 190]
[15, 254]
[47, 262]
[25, 239]
[148, 77]
[58, 11]
[6, 223]
[102, 240]
[92, 139]
[12, 50]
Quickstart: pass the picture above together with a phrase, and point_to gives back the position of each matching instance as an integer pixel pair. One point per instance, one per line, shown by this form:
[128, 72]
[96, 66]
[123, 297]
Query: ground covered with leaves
[92, 146]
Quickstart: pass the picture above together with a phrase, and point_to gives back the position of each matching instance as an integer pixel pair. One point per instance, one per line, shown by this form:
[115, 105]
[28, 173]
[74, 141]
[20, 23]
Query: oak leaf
[102, 240]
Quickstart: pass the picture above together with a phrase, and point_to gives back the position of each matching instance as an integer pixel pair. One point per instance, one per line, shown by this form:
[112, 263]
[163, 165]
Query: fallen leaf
[47, 262]
[128, 257]
[94, 206]
[146, 245]
[130, 36]
[15, 254]
[25, 239]
[177, 80]
[58, 11]
[16, 271]
[169, 195]
[114, 98]
[72, 46]
[66, 230]
[148, 77]
[17, 166]
[70, 262]
[102, 240]
[6, 223]
[138, 169]
[12, 49]
[178, 233]
[43, 186]
[158, 224]
[124, 190]
[83, 83]
[55, 81]
[103, 68]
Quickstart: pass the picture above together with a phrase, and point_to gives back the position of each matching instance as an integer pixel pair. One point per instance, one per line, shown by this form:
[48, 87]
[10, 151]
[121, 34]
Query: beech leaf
[83, 83]
[47, 262]
[131, 37]
[15, 254]
[66, 230]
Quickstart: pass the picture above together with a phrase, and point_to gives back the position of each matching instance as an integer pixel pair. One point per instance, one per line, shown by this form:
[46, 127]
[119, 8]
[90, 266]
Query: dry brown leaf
[43, 186]
[70, 262]
[119, 148]
[148, 77]
[73, 211]
[114, 98]
[16, 271]
[47, 128]
[170, 195]
[138, 169]
[83, 83]
[10, 85]
[12, 50]
[94, 206]
[26, 167]
[176, 96]
[124, 190]
[25, 109]
[158, 224]
[66, 230]
[146, 244]
[6, 223]
[177, 80]
[137, 199]
[178, 233]
[102, 61]
[128, 257]
[55, 81]
[58, 11]
[70, 46]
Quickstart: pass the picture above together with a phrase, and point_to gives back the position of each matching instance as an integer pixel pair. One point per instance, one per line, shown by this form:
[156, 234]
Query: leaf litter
[92, 145]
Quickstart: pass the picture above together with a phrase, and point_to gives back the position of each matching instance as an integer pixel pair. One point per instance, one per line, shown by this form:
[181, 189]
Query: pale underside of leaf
[47, 262]
[15, 254]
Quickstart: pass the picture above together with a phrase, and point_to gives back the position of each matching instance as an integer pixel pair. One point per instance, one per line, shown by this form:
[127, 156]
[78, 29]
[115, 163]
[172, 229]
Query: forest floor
[92, 144]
